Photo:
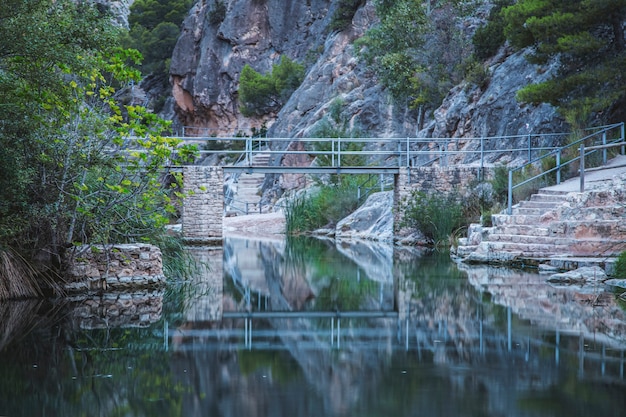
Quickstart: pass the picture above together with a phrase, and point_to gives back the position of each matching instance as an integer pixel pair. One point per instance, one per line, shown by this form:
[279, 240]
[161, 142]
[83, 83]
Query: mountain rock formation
[212, 50]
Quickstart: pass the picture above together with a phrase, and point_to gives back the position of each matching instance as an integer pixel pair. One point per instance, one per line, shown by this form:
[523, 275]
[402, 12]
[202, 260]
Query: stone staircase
[551, 224]
[246, 189]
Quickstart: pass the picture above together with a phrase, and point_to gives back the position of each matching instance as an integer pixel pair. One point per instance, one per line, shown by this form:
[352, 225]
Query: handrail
[398, 152]
[602, 131]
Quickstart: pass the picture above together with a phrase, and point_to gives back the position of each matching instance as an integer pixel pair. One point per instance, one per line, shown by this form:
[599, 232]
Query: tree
[417, 50]
[587, 38]
[63, 177]
[261, 94]
[154, 30]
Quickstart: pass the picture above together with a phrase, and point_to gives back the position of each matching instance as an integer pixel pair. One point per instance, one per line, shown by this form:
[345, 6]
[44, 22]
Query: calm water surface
[314, 329]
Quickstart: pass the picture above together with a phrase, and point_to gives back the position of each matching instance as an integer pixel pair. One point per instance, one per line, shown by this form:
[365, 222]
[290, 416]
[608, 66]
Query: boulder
[587, 274]
[372, 221]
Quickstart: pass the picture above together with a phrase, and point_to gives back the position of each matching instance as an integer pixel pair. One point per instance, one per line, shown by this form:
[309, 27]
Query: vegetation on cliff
[154, 30]
[418, 51]
[262, 94]
[587, 39]
[61, 180]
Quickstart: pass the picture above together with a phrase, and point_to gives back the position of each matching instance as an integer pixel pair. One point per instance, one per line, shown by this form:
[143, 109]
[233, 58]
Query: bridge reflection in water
[437, 317]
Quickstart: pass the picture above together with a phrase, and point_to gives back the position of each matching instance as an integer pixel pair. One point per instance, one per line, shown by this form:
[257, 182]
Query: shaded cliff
[213, 48]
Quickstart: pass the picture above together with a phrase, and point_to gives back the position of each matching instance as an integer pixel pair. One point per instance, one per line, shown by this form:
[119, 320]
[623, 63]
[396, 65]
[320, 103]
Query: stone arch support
[203, 206]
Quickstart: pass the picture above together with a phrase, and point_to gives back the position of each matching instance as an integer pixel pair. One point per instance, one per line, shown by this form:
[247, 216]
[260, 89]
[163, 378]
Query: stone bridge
[203, 208]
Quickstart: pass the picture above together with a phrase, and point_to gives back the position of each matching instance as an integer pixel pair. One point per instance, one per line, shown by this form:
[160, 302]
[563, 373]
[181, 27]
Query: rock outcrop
[213, 49]
[211, 52]
[372, 221]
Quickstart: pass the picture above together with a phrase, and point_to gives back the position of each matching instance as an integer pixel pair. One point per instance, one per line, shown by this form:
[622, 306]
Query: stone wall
[113, 267]
[116, 309]
[435, 179]
[203, 206]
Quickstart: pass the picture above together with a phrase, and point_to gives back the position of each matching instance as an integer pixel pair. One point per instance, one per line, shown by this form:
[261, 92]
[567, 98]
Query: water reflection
[304, 328]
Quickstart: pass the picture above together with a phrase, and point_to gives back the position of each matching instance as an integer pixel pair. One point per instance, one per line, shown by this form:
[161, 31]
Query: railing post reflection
[581, 355]
[166, 333]
[508, 326]
[556, 350]
[407, 334]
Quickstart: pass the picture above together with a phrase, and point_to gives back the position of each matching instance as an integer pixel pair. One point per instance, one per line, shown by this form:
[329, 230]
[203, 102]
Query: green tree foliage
[154, 30]
[261, 94]
[587, 36]
[490, 37]
[436, 216]
[61, 180]
[417, 49]
[344, 13]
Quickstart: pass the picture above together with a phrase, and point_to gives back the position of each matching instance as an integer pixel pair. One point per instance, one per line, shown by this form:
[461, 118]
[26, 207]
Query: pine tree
[587, 38]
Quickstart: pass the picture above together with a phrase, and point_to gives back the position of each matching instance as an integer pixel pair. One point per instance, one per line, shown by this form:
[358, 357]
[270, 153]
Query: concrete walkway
[593, 178]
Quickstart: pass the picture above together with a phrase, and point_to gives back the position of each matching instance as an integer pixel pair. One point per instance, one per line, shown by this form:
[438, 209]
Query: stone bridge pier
[203, 205]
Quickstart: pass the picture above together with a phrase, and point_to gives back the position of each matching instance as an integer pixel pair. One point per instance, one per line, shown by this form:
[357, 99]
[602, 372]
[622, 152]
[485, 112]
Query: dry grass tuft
[17, 278]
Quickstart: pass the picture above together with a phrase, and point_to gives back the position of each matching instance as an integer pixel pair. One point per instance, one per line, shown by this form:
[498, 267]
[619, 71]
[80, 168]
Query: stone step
[261, 159]
[523, 229]
[529, 211]
[528, 248]
[546, 205]
[504, 219]
[547, 191]
[529, 239]
[546, 197]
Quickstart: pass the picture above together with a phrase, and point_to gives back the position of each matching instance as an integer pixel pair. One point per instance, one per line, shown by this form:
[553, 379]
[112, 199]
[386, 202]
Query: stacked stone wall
[116, 309]
[203, 206]
[436, 179]
[113, 267]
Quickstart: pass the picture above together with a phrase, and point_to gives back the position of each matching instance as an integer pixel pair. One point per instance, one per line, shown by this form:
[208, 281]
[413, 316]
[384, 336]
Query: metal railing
[388, 152]
[598, 140]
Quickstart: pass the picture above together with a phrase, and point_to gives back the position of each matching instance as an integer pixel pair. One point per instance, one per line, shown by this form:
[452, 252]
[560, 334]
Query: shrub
[325, 208]
[620, 266]
[262, 94]
[488, 39]
[436, 216]
[217, 14]
[344, 13]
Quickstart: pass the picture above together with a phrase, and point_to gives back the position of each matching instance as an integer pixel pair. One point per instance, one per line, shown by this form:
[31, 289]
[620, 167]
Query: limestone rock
[372, 221]
[616, 284]
[579, 276]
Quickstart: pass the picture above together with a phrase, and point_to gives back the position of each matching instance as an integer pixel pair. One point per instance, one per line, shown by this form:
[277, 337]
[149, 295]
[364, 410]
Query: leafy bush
[620, 266]
[488, 39]
[325, 208]
[217, 14]
[344, 13]
[436, 216]
[262, 94]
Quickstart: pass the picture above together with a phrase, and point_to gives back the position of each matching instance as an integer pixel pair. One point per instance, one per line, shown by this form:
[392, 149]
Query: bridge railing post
[408, 152]
[558, 166]
[582, 167]
[604, 151]
[339, 151]
[332, 152]
[509, 208]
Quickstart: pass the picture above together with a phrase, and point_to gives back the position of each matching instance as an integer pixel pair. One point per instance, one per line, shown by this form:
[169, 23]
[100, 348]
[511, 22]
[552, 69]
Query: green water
[356, 331]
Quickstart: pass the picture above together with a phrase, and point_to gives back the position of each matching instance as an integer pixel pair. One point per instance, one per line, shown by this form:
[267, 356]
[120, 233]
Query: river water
[311, 328]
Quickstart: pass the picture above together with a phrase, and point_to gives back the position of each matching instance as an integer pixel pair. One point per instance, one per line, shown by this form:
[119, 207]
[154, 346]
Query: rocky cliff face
[209, 57]
[213, 49]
